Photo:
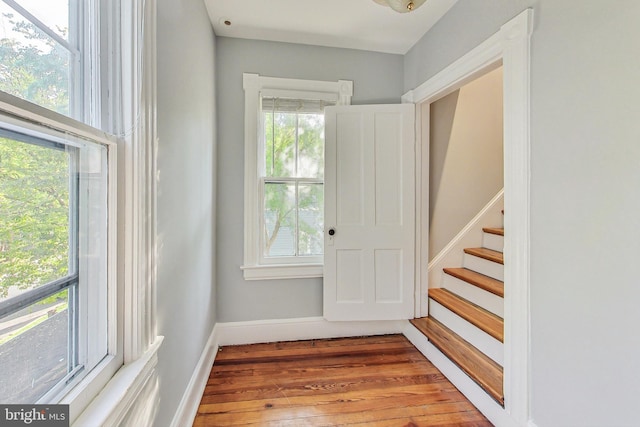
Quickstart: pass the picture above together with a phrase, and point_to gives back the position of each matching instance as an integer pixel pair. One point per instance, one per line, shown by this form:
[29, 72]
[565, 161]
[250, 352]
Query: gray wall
[377, 79]
[585, 151]
[186, 199]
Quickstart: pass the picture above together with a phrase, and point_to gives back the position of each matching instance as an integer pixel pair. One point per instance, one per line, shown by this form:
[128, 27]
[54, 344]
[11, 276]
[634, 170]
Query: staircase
[466, 314]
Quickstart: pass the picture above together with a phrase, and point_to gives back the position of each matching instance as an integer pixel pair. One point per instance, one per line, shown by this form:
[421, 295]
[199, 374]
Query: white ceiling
[355, 24]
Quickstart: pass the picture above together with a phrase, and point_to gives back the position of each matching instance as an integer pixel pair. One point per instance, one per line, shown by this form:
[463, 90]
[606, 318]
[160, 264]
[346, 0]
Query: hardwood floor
[370, 381]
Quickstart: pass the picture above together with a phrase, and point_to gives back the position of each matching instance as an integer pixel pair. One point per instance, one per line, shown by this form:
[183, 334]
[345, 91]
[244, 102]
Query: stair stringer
[474, 393]
[470, 236]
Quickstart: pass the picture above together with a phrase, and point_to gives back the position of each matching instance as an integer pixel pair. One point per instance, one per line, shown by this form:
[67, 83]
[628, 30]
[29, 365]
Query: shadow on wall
[465, 156]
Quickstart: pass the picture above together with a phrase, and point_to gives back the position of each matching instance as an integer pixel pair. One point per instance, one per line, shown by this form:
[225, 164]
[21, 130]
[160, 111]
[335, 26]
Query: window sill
[118, 397]
[282, 271]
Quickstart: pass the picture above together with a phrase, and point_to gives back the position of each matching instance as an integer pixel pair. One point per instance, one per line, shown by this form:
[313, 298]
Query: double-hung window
[58, 287]
[292, 177]
[284, 174]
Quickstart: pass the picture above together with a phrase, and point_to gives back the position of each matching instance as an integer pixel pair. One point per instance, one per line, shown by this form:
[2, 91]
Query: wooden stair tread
[487, 283]
[494, 230]
[476, 315]
[487, 254]
[480, 368]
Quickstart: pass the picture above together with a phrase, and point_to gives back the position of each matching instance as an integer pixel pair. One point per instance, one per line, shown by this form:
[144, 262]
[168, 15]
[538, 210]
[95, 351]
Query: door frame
[509, 47]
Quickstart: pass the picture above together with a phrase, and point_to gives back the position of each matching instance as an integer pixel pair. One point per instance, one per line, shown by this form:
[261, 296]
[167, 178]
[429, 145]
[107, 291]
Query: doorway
[466, 156]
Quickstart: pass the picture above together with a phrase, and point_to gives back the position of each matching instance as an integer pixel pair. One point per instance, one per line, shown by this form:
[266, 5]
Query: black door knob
[332, 231]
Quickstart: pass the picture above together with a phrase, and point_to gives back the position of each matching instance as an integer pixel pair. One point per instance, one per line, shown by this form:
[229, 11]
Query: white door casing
[370, 206]
[511, 47]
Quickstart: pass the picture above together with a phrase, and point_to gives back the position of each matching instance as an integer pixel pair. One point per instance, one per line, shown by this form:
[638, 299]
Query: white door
[369, 212]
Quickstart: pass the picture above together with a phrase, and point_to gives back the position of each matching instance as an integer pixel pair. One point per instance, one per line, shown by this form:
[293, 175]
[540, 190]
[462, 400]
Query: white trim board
[188, 407]
[509, 47]
[119, 396]
[308, 328]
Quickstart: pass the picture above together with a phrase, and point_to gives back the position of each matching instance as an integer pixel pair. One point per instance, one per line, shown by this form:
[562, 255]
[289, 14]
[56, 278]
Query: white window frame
[256, 86]
[128, 106]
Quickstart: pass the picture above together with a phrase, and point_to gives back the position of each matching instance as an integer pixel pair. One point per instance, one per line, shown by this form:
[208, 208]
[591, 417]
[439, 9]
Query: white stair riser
[484, 299]
[493, 241]
[483, 266]
[484, 342]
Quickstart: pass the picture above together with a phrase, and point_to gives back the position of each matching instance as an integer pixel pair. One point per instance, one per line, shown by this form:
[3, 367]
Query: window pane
[311, 219]
[310, 145]
[293, 154]
[35, 230]
[34, 349]
[279, 219]
[280, 144]
[53, 13]
[53, 225]
[32, 65]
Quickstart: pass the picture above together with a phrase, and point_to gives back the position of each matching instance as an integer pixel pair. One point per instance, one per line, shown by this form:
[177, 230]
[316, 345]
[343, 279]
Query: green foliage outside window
[294, 151]
[34, 180]
[34, 215]
[34, 67]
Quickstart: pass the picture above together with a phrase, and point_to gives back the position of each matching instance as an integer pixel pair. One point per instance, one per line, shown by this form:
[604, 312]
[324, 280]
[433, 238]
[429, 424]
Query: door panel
[388, 169]
[349, 169]
[349, 271]
[370, 206]
[388, 275]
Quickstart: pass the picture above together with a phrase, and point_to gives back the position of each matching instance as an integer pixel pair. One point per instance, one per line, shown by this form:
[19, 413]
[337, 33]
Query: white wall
[186, 199]
[465, 156]
[585, 151]
[377, 79]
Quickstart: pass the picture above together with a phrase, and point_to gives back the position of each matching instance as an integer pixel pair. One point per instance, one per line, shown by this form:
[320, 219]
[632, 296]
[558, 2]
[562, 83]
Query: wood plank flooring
[369, 381]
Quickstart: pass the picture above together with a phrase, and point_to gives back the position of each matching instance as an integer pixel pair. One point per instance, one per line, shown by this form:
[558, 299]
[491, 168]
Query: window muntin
[291, 179]
[40, 59]
[53, 264]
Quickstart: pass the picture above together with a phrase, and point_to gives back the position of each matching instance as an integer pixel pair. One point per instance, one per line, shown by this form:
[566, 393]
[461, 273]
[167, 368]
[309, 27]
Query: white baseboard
[478, 397]
[188, 408]
[261, 331]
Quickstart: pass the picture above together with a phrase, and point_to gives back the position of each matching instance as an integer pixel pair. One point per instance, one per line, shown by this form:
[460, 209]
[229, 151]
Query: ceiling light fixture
[401, 6]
